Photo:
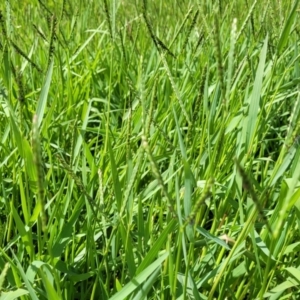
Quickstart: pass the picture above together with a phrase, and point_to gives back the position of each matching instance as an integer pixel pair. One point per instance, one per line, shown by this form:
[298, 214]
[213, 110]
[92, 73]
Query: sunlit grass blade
[165, 150]
[254, 103]
[284, 36]
[140, 278]
[41, 105]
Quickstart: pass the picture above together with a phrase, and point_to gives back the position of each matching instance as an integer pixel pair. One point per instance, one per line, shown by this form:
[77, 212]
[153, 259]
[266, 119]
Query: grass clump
[149, 150]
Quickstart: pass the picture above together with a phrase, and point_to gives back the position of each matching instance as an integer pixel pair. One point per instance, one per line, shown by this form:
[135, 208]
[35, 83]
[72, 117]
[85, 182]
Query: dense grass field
[149, 149]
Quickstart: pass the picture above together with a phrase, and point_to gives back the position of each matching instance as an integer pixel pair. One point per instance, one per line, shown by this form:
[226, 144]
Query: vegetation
[149, 150]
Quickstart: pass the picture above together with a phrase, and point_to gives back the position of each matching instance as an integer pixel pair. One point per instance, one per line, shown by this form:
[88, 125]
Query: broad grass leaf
[62, 240]
[41, 105]
[281, 287]
[211, 237]
[50, 291]
[17, 134]
[65, 235]
[33, 269]
[24, 233]
[191, 287]
[146, 287]
[240, 270]
[295, 200]
[36, 212]
[256, 95]
[294, 272]
[139, 279]
[284, 36]
[189, 180]
[294, 247]
[25, 152]
[28, 285]
[162, 239]
[262, 246]
[13, 294]
[285, 164]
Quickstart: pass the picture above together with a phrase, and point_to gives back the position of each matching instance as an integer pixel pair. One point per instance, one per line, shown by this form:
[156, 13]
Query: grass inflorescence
[149, 150]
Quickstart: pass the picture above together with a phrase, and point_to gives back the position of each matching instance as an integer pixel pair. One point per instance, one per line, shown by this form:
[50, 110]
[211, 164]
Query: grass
[149, 150]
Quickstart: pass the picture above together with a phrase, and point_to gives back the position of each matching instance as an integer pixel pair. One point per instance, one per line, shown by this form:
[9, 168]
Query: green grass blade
[28, 285]
[256, 96]
[140, 278]
[157, 246]
[13, 294]
[284, 36]
[41, 105]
